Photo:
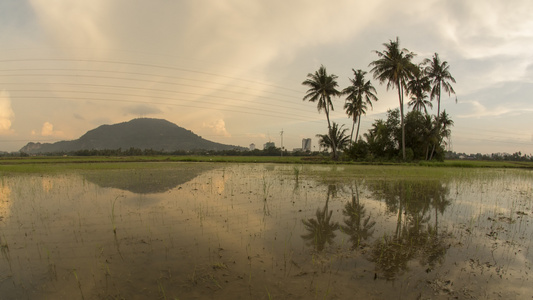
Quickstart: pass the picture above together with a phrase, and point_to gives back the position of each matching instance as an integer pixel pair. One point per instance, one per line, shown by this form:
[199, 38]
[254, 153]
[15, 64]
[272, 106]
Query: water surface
[231, 231]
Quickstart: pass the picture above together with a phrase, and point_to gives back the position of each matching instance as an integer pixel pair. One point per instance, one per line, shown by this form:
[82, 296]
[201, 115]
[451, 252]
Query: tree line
[416, 135]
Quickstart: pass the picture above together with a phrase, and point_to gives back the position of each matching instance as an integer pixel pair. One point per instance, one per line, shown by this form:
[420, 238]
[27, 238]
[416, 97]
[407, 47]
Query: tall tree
[418, 87]
[439, 74]
[321, 88]
[359, 94]
[394, 67]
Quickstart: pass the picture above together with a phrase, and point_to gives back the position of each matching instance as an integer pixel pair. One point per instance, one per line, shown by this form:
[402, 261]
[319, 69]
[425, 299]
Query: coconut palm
[394, 67]
[321, 88]
[439, 74]
[418, 87]
[335, 139]
[355, 106]
[443, 124]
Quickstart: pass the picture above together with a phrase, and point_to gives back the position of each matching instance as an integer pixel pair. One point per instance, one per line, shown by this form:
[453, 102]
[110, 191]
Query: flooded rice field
[248, 231]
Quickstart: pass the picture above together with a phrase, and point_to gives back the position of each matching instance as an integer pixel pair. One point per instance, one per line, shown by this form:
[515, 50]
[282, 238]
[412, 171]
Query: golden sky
[231, 70]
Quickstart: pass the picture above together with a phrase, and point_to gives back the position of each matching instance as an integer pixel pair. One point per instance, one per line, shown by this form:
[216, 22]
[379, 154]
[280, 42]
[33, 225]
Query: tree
[335, 139]
[439, 74]
[321, 88]
[418, 87]
[382, 137]
[394, 67]
[443, 130]
[355, 106]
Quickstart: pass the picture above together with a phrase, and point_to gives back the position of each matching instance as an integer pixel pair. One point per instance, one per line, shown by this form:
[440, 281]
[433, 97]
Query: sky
[231, 71]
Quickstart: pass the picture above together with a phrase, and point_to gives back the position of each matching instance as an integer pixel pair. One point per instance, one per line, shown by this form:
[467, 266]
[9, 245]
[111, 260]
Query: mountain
[142, 133]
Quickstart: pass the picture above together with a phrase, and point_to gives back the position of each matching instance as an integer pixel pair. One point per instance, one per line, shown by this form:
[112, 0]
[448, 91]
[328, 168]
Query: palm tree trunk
[351, 134]
[400, 96]
[358, 125]
[432, 152]
[438, 103]
[333, 146]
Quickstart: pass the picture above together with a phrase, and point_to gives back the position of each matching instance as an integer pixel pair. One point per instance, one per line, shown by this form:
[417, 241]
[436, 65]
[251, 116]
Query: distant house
[252, 147]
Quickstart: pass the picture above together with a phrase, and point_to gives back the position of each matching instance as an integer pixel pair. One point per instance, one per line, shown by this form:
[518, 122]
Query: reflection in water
[212, 238]
[146, 180]
[5, 201]
[321, 230]
[357, 227]
[413, 237]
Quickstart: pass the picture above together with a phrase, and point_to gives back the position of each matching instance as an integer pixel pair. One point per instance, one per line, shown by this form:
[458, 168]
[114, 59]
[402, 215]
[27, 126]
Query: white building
[252, 147]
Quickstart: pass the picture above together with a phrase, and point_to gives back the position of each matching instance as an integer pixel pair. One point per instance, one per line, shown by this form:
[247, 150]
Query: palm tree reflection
[321, 230]
[414, 236]
[358, 227]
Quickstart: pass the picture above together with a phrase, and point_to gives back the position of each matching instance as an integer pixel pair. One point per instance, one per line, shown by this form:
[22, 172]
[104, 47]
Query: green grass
[45, 164]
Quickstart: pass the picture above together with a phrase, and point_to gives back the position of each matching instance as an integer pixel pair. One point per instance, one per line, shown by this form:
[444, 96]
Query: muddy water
[200, 231]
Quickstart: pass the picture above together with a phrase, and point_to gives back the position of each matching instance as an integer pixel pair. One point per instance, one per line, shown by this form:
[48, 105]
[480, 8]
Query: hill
[142, 133]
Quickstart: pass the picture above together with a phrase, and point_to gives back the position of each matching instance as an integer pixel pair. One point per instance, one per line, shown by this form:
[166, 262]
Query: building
[306, 144]
[252, 147]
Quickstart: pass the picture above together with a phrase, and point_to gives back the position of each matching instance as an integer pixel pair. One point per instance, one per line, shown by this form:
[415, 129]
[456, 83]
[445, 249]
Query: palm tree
[394, 67]
[439, 74]
[321, 88]
[418, 87]
[335, 139]
[443, 130]
[355, 106]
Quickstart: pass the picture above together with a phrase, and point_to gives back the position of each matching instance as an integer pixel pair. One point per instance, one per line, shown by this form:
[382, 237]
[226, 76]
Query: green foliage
[336, 139]
[358, 95]
[424, 138]
[322, 86]
[394, 67]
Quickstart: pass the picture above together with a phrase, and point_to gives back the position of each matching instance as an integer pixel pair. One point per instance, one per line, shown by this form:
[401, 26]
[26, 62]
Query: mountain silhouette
[141, 133]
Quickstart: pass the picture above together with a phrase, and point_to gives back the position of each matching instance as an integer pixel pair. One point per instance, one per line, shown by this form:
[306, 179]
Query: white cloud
[72, 23]
[479, 110]
[218, 127]
[48, 130]
[6, 113]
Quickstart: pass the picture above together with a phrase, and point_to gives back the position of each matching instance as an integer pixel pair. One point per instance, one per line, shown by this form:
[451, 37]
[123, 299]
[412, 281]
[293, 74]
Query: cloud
[479, 110]
[218, 127]
[48, 130]
[75, 23]
[142, 110]
[6, 113]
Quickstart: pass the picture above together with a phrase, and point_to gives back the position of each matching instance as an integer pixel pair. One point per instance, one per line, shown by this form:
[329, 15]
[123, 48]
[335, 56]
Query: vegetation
[359, 94]
[321, 88]
[415, 135]
[336, 139]
[394, 67]
[439, 74]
